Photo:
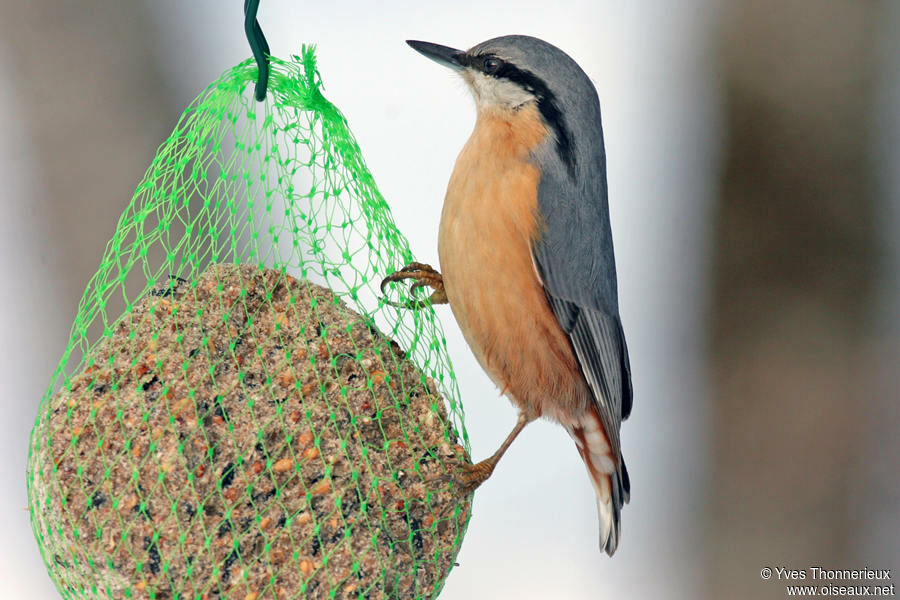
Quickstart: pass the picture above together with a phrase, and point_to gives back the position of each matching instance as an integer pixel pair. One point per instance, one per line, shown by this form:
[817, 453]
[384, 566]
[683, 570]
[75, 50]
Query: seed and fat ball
[526, 251]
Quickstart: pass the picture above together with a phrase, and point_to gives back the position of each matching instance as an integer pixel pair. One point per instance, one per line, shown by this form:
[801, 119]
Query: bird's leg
[469, 477]
[423, 275]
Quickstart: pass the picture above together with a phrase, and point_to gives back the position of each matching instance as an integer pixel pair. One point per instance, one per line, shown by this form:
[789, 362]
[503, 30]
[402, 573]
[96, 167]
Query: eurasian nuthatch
[527, 255]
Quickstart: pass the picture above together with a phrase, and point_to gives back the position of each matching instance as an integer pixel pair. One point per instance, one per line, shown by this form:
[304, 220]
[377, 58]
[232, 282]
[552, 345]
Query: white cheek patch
[491, 91]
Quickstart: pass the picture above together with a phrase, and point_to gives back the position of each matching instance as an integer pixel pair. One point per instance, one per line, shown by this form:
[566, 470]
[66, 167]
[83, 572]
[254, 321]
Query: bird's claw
[467, 478]
[417, 285]
[424, 275]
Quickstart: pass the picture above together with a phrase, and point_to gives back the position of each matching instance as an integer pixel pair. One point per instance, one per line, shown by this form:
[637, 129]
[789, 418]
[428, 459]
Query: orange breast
[488, 222]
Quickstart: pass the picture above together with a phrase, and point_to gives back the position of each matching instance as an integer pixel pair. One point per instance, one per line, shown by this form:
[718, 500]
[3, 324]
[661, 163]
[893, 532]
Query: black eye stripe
[546, 101]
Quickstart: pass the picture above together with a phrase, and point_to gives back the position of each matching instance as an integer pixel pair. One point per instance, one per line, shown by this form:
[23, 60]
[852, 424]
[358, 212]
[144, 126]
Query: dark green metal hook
[259, 45]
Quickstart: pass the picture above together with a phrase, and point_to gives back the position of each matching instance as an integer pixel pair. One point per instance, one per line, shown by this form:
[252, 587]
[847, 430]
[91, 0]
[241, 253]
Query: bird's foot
[423, 275]
[469, 477]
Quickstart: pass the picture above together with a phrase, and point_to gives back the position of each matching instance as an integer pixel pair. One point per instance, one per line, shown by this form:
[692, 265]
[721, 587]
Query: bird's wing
[574, 259]
[602, 354]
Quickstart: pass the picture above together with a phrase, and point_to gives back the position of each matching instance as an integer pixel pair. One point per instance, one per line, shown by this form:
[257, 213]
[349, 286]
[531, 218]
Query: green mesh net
[238, 413]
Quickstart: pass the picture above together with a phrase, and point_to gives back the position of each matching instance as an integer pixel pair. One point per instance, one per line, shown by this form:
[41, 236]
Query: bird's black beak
[444, 55]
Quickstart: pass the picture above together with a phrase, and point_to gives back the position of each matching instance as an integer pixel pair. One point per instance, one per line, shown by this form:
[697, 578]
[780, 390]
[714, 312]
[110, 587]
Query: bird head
[510, 72]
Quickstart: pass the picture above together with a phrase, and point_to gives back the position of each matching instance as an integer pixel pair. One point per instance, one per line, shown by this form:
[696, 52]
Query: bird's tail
[607, 473]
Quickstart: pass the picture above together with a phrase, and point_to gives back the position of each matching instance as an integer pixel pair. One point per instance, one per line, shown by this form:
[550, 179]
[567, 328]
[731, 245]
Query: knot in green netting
[237, 413]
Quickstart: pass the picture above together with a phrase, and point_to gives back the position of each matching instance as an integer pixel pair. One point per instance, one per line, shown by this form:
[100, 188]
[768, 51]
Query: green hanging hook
[259, 45]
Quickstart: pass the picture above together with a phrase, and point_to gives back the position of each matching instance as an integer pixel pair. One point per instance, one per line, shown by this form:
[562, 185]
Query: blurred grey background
[754, 169]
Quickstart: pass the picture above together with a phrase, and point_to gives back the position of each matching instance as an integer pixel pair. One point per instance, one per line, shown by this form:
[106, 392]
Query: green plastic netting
[238, 413]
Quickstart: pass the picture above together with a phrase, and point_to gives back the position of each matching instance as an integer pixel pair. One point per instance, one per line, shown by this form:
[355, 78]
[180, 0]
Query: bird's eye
[491, 65]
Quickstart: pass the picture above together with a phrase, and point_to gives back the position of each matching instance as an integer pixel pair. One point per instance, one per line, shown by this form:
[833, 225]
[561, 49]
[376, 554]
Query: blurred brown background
[798, 306]
[797, 350]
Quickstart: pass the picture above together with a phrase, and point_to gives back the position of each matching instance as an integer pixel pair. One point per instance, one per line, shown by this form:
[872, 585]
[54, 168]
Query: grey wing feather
[599, 345]
[574, 257]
